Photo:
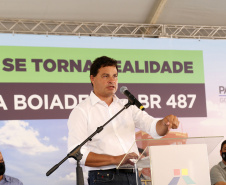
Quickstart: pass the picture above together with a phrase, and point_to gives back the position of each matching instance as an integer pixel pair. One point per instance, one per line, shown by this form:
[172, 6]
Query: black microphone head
[123, 89]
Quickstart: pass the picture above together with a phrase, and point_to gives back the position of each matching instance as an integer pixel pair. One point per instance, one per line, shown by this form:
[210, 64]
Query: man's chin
[111, 93]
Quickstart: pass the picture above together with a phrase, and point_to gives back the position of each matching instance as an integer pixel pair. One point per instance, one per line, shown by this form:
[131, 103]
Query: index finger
[171, 121]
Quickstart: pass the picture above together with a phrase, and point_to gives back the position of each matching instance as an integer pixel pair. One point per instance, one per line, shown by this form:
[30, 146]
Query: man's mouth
[111, 87]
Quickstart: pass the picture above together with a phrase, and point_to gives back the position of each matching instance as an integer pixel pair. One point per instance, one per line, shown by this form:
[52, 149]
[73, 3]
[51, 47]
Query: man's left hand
[167, 123]
[171, 122]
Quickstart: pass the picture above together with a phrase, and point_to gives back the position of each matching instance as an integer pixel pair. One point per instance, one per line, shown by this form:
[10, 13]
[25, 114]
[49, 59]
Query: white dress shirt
[117, 137]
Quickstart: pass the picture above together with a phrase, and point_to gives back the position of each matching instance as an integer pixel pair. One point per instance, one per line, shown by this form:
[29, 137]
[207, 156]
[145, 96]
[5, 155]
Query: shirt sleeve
[216, 175]
[77, 133]
[145, 122]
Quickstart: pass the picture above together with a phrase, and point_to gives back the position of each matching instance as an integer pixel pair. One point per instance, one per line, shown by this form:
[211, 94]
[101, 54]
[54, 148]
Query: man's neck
[1, 176]
[108, 101]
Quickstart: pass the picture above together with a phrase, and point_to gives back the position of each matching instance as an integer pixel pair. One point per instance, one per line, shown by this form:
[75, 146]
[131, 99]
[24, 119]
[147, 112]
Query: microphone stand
[76, 154]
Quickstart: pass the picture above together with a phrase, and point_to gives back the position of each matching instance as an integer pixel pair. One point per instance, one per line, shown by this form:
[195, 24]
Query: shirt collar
[95, 99]
[222, 165]
[6, 178]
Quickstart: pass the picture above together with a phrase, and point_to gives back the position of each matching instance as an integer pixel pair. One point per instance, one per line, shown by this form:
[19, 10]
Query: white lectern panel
[179, 164]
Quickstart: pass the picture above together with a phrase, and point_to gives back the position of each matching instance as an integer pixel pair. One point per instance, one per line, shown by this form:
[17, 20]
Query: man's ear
[1, 157]
[91, 78]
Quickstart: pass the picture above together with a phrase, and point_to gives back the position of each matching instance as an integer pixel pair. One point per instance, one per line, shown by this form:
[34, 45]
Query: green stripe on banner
[71, 65]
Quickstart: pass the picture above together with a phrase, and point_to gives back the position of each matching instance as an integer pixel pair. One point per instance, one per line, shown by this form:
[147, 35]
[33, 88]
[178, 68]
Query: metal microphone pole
[76, 154]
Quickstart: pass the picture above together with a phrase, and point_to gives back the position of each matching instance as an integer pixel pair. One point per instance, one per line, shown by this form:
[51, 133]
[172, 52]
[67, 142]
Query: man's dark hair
[102, 62]
[222, 144]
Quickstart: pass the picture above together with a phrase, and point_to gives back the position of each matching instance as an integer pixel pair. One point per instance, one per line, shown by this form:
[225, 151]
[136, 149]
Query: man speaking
[108, 148]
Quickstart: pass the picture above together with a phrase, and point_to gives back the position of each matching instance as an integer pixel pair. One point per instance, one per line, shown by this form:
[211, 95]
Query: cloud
[20, 135]
[64, 138]
[217, 109]
[71, 176]
[46, 138]
[216, 114]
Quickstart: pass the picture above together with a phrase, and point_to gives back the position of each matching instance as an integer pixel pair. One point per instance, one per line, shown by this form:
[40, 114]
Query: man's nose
[112, 79]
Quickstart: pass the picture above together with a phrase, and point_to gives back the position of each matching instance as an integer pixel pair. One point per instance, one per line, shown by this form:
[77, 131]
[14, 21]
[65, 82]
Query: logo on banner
[222, 94]
[181, 174]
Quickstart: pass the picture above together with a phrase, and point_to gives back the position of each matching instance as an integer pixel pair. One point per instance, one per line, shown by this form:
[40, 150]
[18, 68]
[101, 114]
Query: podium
[172, 161]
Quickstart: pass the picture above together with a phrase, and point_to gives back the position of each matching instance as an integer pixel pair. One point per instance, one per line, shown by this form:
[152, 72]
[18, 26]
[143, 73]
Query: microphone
[131, 98]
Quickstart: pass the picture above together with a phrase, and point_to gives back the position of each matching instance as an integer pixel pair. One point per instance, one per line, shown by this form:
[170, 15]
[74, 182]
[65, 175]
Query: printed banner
[47, 82]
